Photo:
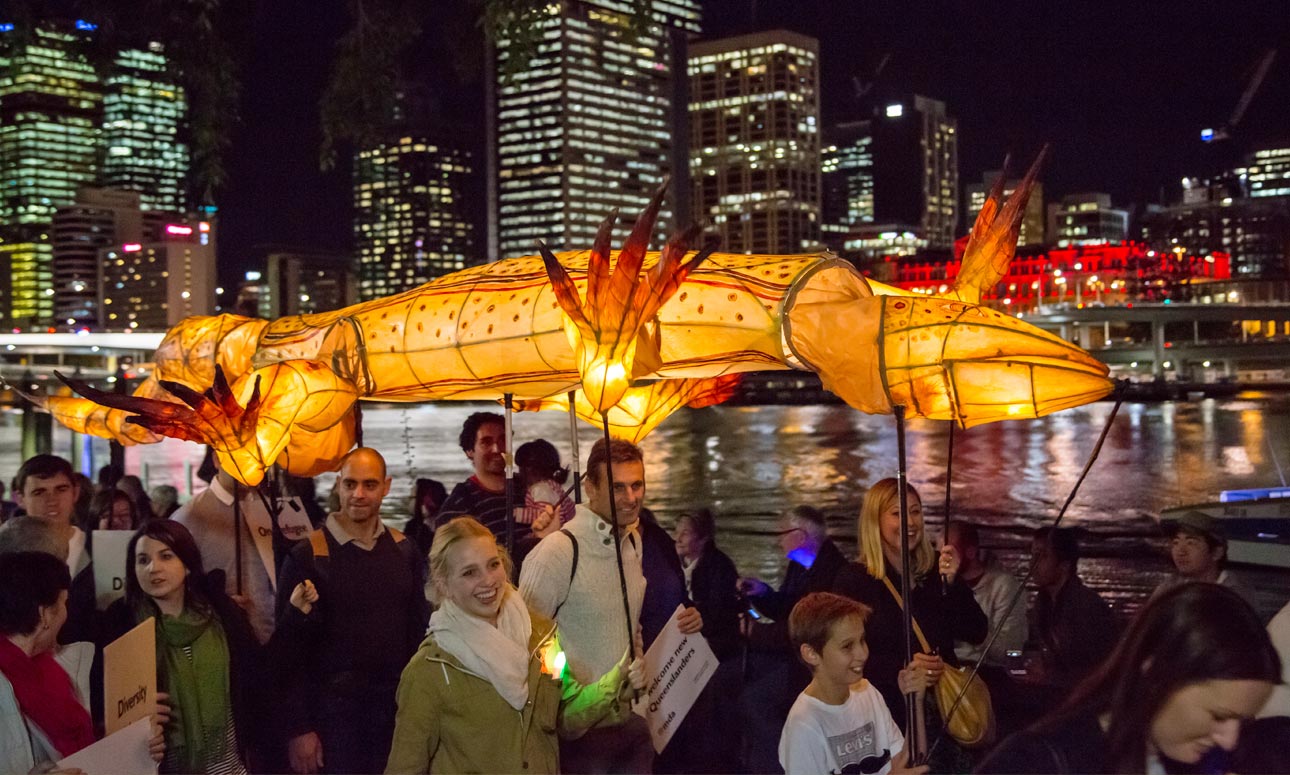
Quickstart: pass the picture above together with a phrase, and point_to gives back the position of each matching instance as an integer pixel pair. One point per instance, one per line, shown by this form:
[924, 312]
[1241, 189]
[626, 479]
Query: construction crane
[1224, 132]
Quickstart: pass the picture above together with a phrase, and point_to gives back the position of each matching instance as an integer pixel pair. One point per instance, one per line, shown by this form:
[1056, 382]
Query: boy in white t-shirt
[840, 723]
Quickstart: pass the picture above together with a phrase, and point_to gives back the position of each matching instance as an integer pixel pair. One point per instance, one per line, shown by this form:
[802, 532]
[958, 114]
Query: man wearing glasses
[775, 676]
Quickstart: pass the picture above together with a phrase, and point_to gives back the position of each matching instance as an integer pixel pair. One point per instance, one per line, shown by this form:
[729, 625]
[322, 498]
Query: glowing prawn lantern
[637, 332]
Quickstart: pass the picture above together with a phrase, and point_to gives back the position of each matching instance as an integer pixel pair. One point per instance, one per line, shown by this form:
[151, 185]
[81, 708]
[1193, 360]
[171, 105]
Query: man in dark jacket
[1071, 622]
[774, 675]
[338, 708]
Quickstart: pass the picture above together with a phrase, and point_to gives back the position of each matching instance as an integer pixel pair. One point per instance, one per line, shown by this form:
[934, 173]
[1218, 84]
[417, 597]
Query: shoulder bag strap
[917, 630]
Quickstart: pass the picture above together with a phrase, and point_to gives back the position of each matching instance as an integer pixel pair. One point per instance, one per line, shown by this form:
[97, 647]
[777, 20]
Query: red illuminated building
[1115, 273]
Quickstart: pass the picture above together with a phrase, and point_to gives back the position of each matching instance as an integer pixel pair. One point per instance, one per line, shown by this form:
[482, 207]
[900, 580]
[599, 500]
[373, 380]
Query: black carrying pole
[949, 485]
[618, 540]
[907, 610]
[510, 480]
[237, 534]
[1021, 590]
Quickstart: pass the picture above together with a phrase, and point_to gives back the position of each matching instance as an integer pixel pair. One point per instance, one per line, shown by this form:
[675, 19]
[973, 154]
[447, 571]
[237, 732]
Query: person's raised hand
[949, 563]
[304, 596]
[689, 621]
[305, 753]
[545, 522]
[931, 664]
[753, 587]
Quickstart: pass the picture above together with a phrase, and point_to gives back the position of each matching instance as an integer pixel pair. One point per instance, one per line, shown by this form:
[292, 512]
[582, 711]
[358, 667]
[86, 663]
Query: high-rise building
[51, 108]
[143, 130]
[151, 286]
[1267, 171]
[1032, 221]
[755, 141]
[1086, 219]
[916, 167]
[588, 124]
[846, 165]
[302, 282]
[413, 213]
[99, 218]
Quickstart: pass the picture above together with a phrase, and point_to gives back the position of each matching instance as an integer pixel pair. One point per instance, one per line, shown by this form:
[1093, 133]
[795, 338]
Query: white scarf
[499, 655]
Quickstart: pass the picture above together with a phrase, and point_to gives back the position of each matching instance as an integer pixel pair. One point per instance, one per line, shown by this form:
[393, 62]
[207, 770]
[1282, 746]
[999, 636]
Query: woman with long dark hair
[1194, 665]
[208, 659]
[943, 606]
[711, 580]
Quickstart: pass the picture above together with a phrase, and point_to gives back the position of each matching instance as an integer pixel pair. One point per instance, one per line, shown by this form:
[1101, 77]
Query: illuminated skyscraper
[755, 141]
[1086, 219]
[51, 108]
[99, 218]
[916, 167]
[846, 166]
[143, 115]
[1032, 222]
[588, 124]
[413, 217]
[151, 286]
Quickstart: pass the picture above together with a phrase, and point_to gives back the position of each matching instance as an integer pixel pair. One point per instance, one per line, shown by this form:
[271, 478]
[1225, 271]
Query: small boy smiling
[840, 723]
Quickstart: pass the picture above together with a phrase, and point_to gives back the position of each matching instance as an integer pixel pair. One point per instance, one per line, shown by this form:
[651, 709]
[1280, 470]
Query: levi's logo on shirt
[850, 747]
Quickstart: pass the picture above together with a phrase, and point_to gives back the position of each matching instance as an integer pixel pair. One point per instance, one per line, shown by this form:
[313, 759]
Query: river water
[752, 463]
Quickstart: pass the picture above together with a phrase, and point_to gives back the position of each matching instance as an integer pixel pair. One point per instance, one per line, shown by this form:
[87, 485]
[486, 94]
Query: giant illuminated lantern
[637, 334]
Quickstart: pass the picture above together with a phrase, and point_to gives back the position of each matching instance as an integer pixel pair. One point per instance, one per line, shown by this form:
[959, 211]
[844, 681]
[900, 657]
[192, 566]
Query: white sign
[292, 520]
[677, 667]
[122, 751]
[110, 565]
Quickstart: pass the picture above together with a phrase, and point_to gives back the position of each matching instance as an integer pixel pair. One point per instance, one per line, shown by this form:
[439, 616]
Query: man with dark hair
[483, 495]
[1198, 550]
[572, 577]
[47, 490]
[338, 712]
[1072, 624]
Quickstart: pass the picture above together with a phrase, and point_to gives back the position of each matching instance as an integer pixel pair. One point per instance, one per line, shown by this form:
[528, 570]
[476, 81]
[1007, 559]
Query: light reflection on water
[752, 463]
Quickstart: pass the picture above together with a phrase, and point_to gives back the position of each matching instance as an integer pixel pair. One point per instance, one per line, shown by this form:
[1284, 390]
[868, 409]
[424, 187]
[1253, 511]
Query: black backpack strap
[573, 570]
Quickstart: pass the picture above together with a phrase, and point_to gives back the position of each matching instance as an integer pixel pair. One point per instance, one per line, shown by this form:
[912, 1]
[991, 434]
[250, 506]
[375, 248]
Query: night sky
[1120, 90]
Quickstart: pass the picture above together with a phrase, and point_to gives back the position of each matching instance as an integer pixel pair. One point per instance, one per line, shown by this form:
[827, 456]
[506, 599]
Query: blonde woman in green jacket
[487, 690]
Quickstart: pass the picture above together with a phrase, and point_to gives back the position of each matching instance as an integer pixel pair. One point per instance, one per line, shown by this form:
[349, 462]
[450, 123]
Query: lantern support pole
[573, 444]
[618, 539]
[237, 534]
[949, 486]
[912, 711]
[510, 477]
[1021, 590]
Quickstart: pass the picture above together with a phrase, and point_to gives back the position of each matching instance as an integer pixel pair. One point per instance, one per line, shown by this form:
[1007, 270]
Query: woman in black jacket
[710, 579]
[943, 605]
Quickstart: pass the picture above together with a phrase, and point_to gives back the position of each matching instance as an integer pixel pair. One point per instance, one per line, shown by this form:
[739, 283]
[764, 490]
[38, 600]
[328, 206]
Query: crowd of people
[330, 642]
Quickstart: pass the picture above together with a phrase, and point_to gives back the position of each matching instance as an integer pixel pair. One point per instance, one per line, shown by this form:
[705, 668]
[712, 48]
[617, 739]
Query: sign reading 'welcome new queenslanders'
[677, 667]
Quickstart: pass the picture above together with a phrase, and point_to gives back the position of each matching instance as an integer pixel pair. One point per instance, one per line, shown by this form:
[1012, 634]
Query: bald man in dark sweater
[338, 710]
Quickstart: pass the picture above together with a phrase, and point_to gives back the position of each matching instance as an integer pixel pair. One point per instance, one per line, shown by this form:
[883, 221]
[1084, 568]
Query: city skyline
[1123, 115]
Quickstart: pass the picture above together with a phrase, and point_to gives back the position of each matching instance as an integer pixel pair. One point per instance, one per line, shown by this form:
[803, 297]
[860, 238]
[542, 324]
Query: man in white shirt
[572, 577]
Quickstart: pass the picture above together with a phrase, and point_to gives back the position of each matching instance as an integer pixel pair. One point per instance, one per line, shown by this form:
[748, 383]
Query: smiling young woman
[487, 690]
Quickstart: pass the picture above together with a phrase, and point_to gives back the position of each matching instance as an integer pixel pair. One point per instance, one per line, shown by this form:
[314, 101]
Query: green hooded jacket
[453, 721]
